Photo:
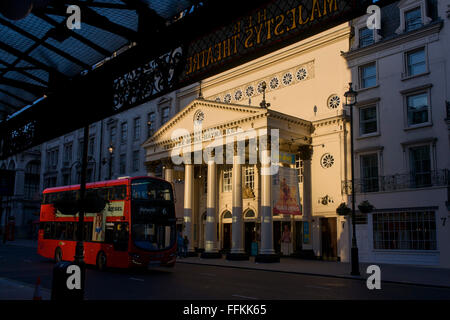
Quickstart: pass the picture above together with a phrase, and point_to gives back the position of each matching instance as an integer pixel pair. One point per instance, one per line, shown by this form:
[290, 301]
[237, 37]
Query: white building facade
[401, 133]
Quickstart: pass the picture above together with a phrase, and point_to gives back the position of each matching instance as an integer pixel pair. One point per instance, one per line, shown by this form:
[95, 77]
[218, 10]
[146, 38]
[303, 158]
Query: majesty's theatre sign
[277, 24]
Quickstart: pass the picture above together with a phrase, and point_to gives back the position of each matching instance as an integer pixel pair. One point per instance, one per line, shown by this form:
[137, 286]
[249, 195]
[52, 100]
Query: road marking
[317, 287]
[137, 279]
[208, 274]
[245, 297]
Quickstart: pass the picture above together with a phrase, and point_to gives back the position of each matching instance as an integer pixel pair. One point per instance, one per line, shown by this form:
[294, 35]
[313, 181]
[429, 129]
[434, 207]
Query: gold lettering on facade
[276, 31]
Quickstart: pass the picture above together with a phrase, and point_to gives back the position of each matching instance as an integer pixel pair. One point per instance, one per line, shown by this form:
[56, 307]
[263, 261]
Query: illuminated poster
[98, 231]
[285, 192]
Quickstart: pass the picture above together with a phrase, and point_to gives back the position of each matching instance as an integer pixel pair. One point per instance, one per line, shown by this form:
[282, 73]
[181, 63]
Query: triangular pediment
[212, 113]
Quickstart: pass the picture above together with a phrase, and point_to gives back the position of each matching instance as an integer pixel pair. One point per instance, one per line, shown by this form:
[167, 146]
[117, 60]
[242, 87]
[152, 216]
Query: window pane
[413, 19]
[368, 120]
[420, 166]
[404, 231]
[369, 173]
[365, 37]
[416, 62]
[417, 109]
[368, 76]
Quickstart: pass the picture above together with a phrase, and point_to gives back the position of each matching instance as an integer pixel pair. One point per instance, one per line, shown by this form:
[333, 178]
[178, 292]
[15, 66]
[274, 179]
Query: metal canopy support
[94, 19]
[63, 29]
[63, 54]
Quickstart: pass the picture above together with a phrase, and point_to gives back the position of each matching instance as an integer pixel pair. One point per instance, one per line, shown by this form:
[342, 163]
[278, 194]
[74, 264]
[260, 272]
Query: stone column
[266, 251]
[188, 205]
[305, 155]
[237, 228]
[211, 209]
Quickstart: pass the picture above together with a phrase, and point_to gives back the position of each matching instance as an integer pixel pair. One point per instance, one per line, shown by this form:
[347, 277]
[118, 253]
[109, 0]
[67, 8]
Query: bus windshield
[153, 214]
[151, 189]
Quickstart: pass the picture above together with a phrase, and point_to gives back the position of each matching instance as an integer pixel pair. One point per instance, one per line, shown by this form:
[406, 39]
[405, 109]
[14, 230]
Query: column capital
[167, 163]
[151, 166]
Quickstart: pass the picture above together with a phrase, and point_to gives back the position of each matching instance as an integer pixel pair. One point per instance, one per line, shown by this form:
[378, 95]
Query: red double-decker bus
[137, 227]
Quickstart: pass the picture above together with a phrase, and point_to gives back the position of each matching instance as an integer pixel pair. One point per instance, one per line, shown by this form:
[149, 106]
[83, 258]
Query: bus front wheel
[101, 261]
[58, 255]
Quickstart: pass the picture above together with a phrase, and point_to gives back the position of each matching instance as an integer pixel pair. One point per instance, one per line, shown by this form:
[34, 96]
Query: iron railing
[398, 182]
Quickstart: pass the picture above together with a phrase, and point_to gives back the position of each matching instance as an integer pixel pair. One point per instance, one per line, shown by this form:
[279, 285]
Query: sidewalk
[16, 290]
[403, 274]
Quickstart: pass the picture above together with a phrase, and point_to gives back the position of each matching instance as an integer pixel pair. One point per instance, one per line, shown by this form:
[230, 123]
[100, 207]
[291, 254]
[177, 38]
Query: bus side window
[58, 230]
[47, 230]
[119, 192]
[88, 231]
[103, 193]
[69, 231]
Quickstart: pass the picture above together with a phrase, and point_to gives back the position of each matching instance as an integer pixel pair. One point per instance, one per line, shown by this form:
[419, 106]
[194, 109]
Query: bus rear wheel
[58, 255]
[101, 261]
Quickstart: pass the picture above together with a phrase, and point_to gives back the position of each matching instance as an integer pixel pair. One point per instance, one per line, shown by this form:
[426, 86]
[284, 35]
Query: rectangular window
[368, 120]
[413, 19]
[227, 179]
[135, 160]
[416, 62]
[91, 146]
[123, 132]
[151, 124]
[368, 75]
[52, 158]
[409, 230]
[369, 173]
[68, 153]
[250, 177]
[417, 108]
[365, 37]
[137, 129]
[165, 115]
[112, 136]
[420, 166]
[122, 163]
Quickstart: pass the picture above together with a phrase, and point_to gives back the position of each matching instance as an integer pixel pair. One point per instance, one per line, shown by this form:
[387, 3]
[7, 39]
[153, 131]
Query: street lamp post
[111, 151]
[350, 100]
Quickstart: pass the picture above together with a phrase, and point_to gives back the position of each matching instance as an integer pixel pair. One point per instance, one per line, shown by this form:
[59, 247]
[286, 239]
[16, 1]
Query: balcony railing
[398, 182]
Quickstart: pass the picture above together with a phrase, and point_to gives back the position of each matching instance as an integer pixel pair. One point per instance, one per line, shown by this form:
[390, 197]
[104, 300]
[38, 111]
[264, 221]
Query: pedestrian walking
[180, 245]
[185, 246]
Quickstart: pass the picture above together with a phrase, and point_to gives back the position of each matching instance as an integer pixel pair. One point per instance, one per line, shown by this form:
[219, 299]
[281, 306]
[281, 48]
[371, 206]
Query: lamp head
[350, 96]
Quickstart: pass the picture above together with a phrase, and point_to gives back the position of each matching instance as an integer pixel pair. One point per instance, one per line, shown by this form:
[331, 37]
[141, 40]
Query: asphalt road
[187, 281]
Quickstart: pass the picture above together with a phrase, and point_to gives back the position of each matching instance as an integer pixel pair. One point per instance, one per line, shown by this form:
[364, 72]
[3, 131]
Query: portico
[226, 155]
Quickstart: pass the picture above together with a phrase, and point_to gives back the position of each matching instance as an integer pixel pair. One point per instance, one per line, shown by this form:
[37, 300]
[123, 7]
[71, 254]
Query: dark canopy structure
[55, 79]
[39, 53]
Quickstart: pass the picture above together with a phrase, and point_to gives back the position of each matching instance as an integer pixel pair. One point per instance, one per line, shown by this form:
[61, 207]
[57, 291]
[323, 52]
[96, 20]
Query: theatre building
[401, 145]
[231, 207]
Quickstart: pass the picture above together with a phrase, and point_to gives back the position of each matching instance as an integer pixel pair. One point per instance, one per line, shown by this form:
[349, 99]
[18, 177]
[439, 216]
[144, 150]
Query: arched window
[227, 215]
[250, 214]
